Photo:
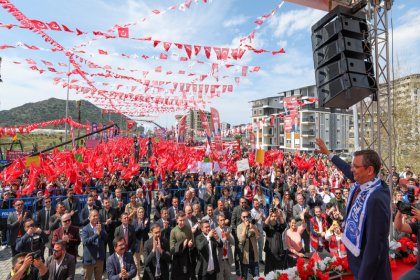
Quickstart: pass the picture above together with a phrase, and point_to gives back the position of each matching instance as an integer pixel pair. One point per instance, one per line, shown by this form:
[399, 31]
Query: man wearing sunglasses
[15, 223]
[69, 234]
[61, 265]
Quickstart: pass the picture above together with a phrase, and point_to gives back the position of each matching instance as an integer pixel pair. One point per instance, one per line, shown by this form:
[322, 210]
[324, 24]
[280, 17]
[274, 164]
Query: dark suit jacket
[119, 231]
[66, 270]
[141, 229]
[74, 236]
[41, 220]
[114, 204]
[75, 207]
[165, 233]
[202, 245]
[92, 244]
[375, 245]
[113, 214]
[24, 244]
[15, 226]
[84, 215]
[55, 222]
[171, 216]
[150, 260]
[113, 267]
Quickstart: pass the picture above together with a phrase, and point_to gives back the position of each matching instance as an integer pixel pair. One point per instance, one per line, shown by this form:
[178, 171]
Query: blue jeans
[253, 269]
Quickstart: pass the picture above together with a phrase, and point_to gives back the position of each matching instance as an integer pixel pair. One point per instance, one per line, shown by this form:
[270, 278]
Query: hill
[52, 109]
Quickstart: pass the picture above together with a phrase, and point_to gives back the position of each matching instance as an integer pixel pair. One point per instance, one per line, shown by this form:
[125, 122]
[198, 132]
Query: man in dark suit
[33, 240]
[370, 258]
[55, 220]
[117, 203]
[156, 256]
[120, 265]
[43, 221]
[313, 199]
[207, 244]
[165, 224]
[173, 211]
[93, 238]
[128, 232]
[61, 265]
[84, 214]
[72, 205]
[15, 224]
[69, 234]
[108, 217]
[222, 210]
[298, 208]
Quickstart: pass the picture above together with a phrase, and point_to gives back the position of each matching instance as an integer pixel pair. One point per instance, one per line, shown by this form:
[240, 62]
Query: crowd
[187, 226]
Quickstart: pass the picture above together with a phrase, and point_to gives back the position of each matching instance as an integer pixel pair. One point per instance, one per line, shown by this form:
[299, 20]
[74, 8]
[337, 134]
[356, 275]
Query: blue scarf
[356, 215]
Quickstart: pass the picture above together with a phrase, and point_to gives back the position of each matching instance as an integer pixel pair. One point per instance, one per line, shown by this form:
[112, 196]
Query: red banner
[252, 139]
[205, 123]
[182, 127]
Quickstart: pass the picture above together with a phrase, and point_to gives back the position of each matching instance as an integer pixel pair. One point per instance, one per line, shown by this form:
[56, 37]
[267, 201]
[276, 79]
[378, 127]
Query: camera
[273, 208]
[35, 255]
[405, 208]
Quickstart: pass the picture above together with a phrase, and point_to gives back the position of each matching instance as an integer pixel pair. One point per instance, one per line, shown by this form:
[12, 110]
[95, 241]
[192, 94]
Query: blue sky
[217, 23]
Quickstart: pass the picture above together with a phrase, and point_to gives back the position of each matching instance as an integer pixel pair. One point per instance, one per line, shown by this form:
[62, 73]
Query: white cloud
[235, 21]
[294, 21]
[406, 41]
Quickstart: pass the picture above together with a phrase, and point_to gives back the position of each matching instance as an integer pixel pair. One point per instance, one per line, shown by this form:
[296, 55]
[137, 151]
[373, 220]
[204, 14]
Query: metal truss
[375, 113]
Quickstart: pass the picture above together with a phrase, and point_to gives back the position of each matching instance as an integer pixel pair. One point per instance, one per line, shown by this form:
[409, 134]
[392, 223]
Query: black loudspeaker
[342, 58]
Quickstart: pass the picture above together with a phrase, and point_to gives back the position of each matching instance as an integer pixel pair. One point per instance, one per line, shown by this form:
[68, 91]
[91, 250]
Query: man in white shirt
[257, 214]
[60, 264]
[120, 265]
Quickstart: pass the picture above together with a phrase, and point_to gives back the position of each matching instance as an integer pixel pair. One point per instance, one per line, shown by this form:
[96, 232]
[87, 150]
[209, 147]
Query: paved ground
[6, 265]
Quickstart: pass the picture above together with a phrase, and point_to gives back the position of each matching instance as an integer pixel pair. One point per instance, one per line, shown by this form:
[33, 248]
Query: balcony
[310, 132]
[308, 120]
[308, 145]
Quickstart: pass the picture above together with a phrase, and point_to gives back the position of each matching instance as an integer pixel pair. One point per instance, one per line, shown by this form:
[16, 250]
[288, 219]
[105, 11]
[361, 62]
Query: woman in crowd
[286, 204]
[333, 236]
[294, 239]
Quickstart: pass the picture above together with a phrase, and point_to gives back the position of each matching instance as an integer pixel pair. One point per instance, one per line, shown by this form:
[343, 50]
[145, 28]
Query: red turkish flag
[188, 50]
[39, 24]
[207, 50]
[279, 51]
[241, 53]
[179, 46]
[163, 56]
[47, 63]
[155, 43]
[244, 70]
[130, 124]
[225, 53]
[65, 28]
[234, 53]
[218, 52]
[123, 32]
[166, 45]
[156, 12]
[54, 26]
[197, 49]
[259, 22]
[103, 52]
